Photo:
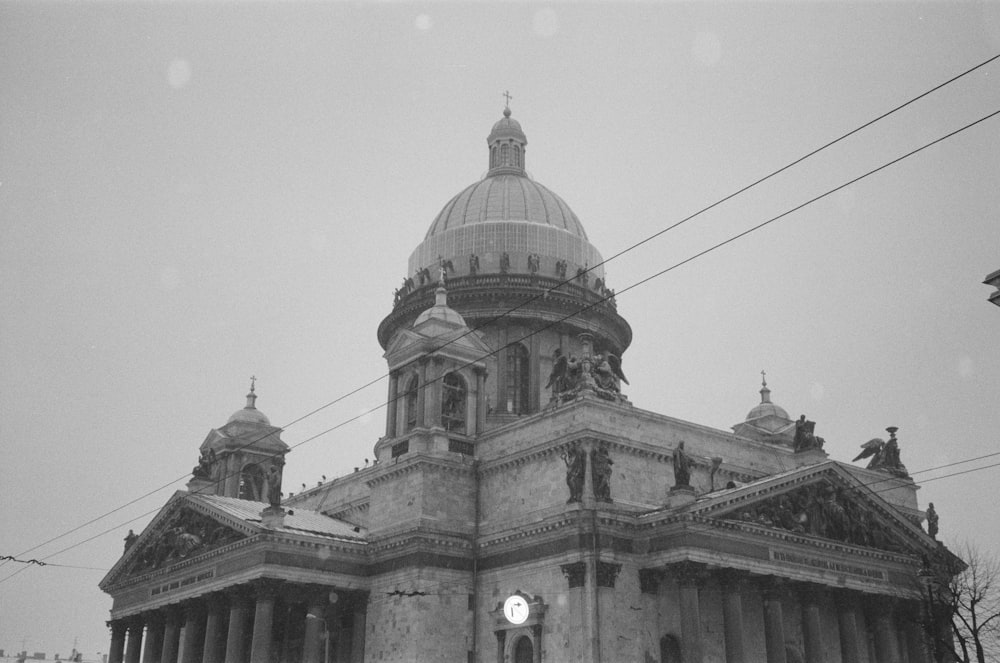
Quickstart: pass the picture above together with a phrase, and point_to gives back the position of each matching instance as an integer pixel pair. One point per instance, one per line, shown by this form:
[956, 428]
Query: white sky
[194, 193]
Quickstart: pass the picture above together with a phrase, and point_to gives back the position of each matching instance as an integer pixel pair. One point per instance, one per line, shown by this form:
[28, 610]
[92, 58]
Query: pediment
[183, 529]
[407, 344]
[827, 503]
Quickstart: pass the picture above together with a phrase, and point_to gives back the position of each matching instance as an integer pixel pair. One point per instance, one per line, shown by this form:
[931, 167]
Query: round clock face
[515, 609]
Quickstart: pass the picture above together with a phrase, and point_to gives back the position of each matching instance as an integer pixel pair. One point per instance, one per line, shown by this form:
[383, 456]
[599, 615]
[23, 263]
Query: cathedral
[520, 508]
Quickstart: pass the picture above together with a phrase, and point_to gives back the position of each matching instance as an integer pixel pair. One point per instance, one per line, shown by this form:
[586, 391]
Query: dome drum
[480, 298]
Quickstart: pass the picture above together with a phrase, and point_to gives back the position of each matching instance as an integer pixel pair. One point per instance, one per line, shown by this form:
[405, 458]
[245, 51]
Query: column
[774, 622]
[134, 647]
[421, 394]
[689, 577]
[733, 583]
[213, 650]
[392, 407]
[263, 621]
[313, 641]
[916, 643]
[154, 638]
[850, 646]
[480, 399]
[116, 652]
[194, 632]
[171, 635]
[358, 621]
[239, 615]
[435, 372]
[812, 630]
[885, 634]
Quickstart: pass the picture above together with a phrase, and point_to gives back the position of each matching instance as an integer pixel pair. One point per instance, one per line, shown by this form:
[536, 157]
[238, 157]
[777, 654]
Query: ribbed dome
[507, 198]
[505, 127]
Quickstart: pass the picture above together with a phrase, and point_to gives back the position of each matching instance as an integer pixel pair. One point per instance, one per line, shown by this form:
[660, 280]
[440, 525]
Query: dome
[766, 408]
[507, 217]
[507, 198]
[441, 311]
[250, 414]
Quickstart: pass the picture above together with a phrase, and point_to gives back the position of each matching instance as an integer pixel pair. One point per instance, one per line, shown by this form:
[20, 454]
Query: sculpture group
[601, 373]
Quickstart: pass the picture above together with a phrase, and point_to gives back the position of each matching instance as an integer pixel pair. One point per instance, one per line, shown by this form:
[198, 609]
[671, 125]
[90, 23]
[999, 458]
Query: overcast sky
[194, 193]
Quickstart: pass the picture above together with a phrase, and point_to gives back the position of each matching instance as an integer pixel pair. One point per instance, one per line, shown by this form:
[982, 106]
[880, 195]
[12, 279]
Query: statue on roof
[473, 264]
[682, 466]
[884, 455]
[272, 486]
[932, 521]
[805, 438]
[205, 466]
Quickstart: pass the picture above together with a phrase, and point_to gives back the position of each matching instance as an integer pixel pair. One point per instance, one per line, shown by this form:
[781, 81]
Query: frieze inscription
[829, 565]
[183, 582]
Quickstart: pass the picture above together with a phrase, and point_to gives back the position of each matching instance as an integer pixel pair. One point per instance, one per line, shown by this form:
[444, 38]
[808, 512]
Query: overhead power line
[587, 307]
[550, 289]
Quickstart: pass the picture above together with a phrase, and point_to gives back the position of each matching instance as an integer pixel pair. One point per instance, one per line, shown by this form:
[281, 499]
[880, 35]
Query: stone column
[480, 399]
[886, 643]
[733, 584]
[774, 621]
[116, 652]
[263, 621]
[312, 645]
[239, 615]
[435, 373]
[392, 407]
[916, 643]
[812, 628]
[154, 638]
[171, 635]
[689, 577]
[358, 621]
[134, 648]
[850, 645]
[421, 394]
[214, 647]
[194, 632]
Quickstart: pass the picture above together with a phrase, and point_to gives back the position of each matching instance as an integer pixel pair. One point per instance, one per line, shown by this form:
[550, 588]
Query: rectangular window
[400, 448]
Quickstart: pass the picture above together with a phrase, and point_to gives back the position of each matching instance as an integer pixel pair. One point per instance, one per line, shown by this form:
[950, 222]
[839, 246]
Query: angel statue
[884, 455]
[565, 373]
[608, 372]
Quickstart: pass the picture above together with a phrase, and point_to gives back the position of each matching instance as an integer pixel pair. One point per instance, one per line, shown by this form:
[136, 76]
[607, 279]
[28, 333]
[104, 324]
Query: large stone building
[520, 507]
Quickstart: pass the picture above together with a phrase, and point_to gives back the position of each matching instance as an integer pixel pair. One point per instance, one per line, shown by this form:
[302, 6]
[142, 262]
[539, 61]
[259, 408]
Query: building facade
[520, 507]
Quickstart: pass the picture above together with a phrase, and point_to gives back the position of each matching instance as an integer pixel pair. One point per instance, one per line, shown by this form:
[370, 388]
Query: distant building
[520, 508]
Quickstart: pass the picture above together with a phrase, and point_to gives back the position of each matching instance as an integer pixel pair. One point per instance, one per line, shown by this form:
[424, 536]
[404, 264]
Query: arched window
[670, 650]
[493, 157]
[410, 403]
[453, 403]
[523, 651]
[517, 156]
[252, 483]
[505, 155]
[517, 379]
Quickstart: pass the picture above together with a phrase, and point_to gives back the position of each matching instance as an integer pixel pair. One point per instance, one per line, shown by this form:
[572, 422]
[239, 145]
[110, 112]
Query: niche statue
[576, 462]
[682, 467]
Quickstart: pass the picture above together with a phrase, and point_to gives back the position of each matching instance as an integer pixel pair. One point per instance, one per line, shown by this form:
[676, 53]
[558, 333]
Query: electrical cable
[630, 287]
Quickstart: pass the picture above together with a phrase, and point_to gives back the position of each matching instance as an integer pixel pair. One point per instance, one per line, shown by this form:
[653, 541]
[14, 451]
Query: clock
[515, 609]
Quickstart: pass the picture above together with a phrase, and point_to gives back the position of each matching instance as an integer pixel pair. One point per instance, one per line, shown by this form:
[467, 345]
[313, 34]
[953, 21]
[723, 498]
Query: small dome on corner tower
[250, 414]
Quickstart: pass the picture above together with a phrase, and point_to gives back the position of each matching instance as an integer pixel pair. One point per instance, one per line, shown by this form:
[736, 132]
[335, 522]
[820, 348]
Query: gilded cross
[253, 381]
[763, 378]
[506, 95]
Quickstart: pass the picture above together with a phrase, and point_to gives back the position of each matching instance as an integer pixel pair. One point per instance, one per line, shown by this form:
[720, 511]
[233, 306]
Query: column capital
[810, 592]
[846, 599]
[215, 601]
[690, 573]
[731, 579]
[266, 589]
[315, 595]
[773, 588]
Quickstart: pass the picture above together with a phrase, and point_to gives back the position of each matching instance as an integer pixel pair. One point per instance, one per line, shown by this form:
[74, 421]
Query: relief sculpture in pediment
[185, 534]
[824, 510]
